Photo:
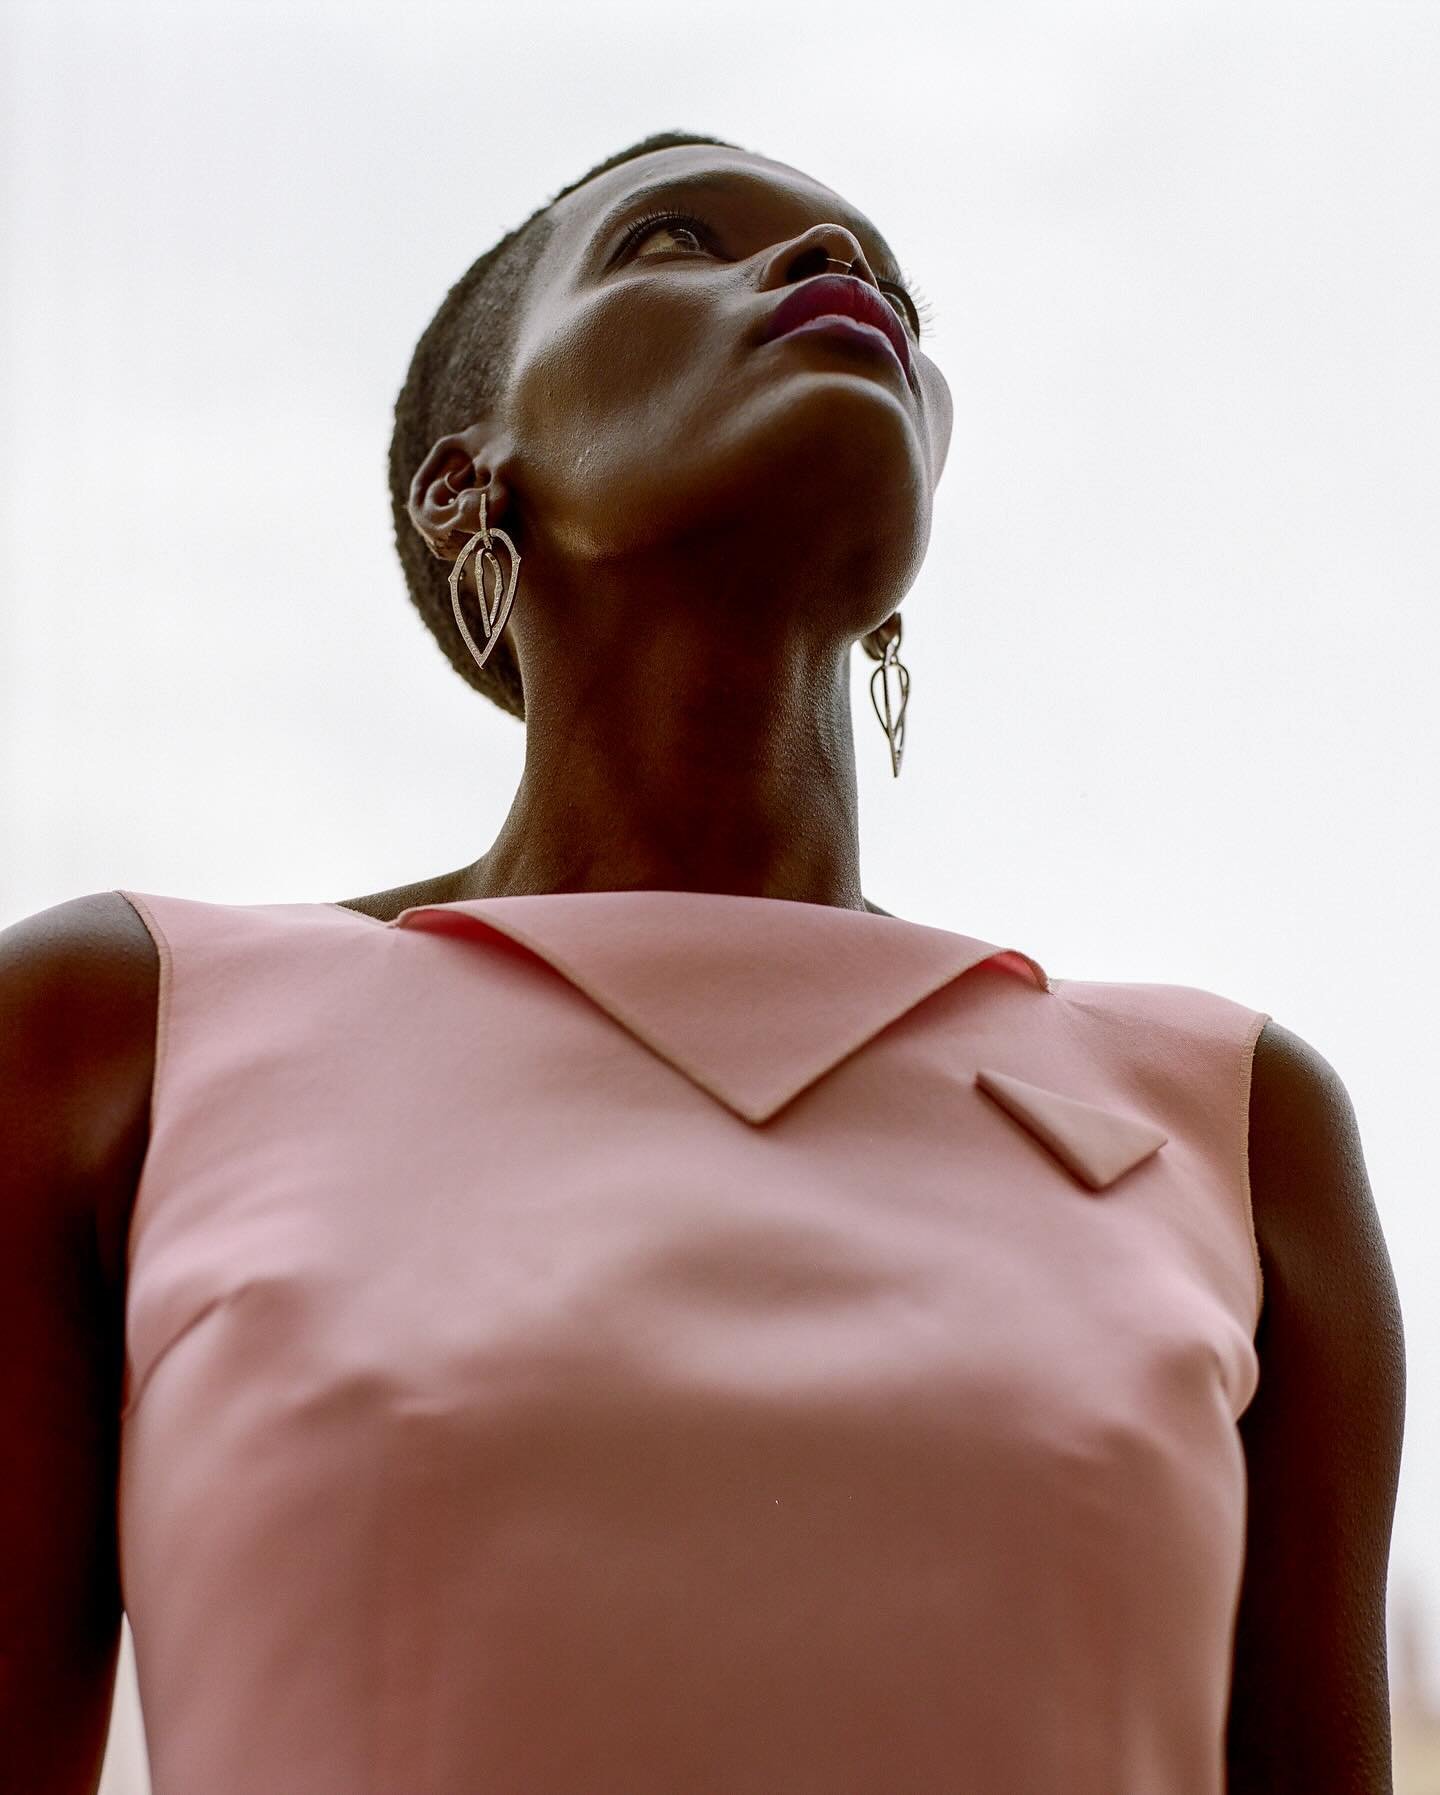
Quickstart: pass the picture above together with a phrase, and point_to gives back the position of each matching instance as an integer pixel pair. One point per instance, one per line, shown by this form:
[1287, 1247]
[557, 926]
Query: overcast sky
[1173, 649]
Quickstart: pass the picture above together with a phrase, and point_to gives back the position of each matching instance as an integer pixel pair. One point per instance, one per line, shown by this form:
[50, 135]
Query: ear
[432, 503]
[442, 502]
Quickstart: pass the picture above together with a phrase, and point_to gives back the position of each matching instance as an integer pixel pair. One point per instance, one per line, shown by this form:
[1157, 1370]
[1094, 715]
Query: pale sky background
[1174, 647]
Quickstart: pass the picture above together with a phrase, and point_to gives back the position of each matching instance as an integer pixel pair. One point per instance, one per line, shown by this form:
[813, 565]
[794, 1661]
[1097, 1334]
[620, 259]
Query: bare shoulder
[79, 990]
[1322, 1247]
[1307, 1166]
[78, 987]
[1309, 1703]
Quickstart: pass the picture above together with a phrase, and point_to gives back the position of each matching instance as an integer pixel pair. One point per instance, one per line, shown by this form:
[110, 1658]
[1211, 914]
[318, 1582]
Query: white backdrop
[1174, 645]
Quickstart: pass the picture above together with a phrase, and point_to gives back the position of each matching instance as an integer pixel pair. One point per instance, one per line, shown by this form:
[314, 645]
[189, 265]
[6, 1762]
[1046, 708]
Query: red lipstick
[840, 296]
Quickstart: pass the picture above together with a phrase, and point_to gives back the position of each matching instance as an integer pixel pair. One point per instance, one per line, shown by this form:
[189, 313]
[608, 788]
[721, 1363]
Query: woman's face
[647, 414]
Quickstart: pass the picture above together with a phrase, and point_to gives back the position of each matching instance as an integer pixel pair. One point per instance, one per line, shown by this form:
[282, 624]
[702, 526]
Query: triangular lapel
[751, 998]
[1096, 1144]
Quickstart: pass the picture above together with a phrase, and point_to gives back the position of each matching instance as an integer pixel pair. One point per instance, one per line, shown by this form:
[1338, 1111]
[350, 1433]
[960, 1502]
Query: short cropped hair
[458, 373]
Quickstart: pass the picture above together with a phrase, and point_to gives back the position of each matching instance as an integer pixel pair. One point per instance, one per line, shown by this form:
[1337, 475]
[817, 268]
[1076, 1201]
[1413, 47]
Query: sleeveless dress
[672, 1343]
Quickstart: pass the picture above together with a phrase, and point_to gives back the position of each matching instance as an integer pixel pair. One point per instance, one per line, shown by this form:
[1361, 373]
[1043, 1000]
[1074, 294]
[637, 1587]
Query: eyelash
[924, 311]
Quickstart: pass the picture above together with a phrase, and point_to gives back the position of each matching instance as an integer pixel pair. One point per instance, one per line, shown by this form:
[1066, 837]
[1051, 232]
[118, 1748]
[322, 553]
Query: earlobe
[436, 520]
[439, 542]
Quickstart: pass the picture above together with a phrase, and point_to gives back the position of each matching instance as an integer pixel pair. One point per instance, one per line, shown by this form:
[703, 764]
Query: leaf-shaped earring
[492, 617]
[892, 721]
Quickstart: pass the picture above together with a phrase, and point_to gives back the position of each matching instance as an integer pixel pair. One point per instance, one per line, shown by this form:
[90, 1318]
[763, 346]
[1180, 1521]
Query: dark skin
[707, 525]
[738, 776]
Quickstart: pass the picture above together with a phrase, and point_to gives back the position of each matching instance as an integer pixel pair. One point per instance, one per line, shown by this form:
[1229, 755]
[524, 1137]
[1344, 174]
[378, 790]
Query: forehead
[784, 195]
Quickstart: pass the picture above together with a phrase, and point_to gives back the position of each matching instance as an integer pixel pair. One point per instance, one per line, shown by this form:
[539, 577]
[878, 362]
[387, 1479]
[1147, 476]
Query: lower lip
[836, 323]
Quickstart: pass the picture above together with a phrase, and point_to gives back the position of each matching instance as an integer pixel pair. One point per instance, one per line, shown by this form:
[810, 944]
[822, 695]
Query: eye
[643, 227]
[913, 307]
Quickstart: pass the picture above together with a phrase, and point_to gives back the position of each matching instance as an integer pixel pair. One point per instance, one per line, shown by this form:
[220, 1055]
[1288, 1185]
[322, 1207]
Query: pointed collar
[751, 998]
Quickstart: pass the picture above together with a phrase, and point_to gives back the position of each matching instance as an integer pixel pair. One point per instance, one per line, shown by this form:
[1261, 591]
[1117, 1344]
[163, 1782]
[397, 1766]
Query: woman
[629, 1314]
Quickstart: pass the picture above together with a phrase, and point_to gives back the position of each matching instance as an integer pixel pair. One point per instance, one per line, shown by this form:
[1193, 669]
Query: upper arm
[1310, 1704]
[73, 1072]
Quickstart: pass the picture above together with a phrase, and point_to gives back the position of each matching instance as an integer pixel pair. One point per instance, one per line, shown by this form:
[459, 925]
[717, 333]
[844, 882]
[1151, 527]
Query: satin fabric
[657, 1343]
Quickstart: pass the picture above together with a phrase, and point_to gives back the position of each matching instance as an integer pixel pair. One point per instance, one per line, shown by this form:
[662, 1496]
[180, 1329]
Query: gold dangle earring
[892, 721]
[492, 618]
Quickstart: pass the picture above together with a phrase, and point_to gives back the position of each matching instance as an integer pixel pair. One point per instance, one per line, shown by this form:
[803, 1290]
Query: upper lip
[843, 293]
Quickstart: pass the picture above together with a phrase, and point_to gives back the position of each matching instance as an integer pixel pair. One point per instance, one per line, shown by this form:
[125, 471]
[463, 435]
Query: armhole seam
[1247, 1066]
[162, 1025]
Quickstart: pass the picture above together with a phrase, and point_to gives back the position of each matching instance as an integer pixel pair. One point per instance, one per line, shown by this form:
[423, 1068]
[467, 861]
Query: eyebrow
[727, 185]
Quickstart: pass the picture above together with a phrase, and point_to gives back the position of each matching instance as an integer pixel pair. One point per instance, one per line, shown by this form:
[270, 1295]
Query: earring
[493, 618]
[892, 723]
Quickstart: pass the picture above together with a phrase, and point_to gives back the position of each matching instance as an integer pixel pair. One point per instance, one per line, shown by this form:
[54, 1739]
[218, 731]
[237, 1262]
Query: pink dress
[663, 1343]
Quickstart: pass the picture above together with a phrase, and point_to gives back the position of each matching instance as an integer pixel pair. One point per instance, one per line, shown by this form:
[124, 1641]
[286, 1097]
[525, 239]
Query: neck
[708, 771]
